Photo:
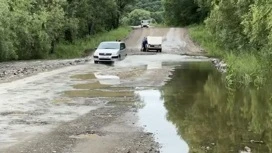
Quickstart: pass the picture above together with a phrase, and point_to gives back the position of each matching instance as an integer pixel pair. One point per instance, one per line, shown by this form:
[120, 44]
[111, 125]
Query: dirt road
[90, 108]
[175, 40]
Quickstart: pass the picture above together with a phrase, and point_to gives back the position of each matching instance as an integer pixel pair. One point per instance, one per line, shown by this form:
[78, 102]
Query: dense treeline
[148, 5]
[183, 12]
[32, 28]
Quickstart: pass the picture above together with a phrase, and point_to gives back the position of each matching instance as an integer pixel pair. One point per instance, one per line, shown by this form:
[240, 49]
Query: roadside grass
[201, 36]
[83, 47]
[245, 68]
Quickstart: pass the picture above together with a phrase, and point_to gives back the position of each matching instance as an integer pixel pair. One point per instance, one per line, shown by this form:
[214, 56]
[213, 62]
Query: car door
[123, 49]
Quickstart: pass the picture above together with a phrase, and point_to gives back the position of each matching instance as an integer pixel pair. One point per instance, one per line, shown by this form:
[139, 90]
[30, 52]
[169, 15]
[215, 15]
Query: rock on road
[84, 107]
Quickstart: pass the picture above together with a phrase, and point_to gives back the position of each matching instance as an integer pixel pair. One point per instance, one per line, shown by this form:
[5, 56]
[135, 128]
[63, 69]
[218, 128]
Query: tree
[121, 6]
[257, 24]
[182, 12]
[7, 48]
[137, 15]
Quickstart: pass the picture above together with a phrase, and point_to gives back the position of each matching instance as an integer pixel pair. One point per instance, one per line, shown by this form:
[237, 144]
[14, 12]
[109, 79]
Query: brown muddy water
[194, 112]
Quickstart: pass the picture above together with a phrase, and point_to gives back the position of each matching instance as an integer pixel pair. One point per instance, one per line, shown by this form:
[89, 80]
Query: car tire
[119, 57]
[95, 62]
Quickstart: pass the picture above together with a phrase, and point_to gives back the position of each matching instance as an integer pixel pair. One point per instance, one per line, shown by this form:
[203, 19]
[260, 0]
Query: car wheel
[119, 57]
[95, 62]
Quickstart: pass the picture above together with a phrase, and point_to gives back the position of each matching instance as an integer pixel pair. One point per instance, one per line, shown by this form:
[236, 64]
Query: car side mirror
[95, 48]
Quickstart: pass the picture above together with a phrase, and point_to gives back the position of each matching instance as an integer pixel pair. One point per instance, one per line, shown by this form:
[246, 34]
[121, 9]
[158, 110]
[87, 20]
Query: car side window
[123, 46]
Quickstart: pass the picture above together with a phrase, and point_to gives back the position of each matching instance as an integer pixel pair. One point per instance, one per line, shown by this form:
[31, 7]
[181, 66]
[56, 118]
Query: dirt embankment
[10, 71]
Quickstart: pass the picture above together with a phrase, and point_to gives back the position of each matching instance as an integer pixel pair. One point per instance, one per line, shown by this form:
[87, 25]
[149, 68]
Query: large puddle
[192, 113]
[195, 113]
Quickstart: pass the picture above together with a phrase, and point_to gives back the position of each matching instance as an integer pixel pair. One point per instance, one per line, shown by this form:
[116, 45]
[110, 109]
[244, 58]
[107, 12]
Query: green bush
[245, 68]
[135, 17]
[205, 39]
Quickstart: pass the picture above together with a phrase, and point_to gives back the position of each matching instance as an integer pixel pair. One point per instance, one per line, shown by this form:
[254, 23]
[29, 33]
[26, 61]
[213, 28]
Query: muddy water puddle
[98, 93]
[98, 85]
[194, 112]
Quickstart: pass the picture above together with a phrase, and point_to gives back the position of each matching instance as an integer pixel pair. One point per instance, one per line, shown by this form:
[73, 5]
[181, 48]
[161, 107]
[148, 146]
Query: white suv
[110, 51]
[145, 23]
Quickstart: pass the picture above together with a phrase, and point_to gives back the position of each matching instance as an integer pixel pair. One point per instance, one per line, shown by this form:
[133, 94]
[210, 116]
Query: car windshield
[108, 45]
[145, 21]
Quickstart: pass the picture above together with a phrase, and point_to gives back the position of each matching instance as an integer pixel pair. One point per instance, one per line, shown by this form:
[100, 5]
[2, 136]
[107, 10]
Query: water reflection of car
[110, 51]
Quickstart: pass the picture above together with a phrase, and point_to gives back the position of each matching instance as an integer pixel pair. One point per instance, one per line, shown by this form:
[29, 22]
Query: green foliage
[152, 9]
[135, 17]
[182, 12]
[257, 24]
[149, 5]
[157, 17]
[244, 68]
[82, 47]
[240, 32]
[31, 29]
[206, 40]
[241, 24]
[224, 23]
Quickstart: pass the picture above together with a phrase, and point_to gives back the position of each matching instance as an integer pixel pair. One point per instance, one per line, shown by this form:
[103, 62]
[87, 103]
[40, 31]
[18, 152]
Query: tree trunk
[91, 28]
[52, 50]
[68, 35]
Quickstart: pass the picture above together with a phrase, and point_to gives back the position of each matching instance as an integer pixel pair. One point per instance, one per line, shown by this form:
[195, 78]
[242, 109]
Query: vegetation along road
[54, 99]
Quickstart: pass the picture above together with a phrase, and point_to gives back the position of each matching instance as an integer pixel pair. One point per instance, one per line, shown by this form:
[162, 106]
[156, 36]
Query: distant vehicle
[110, 51]
[154, 43]
[145, 23]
